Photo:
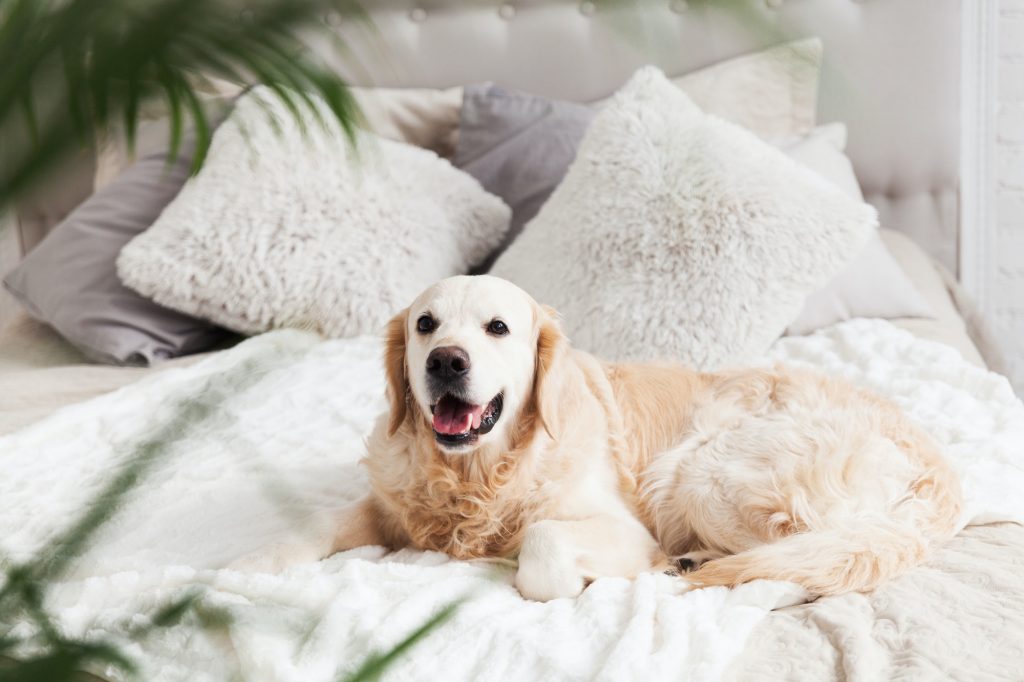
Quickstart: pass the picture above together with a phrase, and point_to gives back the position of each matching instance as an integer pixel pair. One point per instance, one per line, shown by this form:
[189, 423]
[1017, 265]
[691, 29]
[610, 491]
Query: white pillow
[873, 284]
[679, 235]
[284, 229]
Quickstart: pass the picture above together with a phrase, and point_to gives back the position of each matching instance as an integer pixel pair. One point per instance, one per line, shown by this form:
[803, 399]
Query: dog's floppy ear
[394, 368]
[552, 347]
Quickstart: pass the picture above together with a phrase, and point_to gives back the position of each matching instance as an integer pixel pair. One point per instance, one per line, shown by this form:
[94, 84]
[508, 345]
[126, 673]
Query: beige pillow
[419, 116]
[773, 92]
[423, 117]
[152, 135]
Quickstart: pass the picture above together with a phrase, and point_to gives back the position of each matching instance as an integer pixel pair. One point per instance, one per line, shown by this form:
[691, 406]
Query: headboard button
[417, 15]
[506, 11]
[678, 6]
[587, 8]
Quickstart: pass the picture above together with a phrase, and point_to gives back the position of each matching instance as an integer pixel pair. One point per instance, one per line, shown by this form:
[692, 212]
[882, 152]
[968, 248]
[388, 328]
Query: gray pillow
[70, 280]
[518, 146]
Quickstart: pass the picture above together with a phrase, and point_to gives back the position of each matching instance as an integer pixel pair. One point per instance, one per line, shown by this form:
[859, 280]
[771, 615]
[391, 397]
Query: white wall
[1007, 294]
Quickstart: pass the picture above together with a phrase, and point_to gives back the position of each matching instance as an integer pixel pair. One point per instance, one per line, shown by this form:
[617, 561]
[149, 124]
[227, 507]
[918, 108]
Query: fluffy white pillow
[283, 228]
[679, 235]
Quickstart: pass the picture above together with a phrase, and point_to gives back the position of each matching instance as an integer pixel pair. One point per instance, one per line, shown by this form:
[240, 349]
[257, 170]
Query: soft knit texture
[285, 431]
[286, 227]
[679, 235]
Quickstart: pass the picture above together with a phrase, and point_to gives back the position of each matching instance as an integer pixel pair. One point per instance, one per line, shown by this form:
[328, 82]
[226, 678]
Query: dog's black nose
[448, 363]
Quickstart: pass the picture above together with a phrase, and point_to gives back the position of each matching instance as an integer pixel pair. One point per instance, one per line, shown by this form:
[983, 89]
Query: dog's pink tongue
[454, 416]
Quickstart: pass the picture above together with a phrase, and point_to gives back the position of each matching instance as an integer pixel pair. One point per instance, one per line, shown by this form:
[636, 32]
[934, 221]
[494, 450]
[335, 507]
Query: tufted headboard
[892, 71]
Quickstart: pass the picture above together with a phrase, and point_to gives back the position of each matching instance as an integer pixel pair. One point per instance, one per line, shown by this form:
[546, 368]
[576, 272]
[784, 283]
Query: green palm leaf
[74, 67]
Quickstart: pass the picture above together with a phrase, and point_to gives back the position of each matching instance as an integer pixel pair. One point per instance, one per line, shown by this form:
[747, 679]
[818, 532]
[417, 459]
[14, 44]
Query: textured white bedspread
[285, 441]
[958, 617]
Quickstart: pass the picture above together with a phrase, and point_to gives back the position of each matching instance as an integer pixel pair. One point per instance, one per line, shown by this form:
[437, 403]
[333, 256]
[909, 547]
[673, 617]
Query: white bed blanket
[284, 440]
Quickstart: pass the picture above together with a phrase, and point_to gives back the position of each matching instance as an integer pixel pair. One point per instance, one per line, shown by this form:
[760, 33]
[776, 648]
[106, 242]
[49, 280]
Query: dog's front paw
[547, 565]
[538, 584]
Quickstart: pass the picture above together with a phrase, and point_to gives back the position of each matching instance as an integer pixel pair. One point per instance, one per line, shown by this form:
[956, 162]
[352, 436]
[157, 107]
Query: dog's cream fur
[598, 469]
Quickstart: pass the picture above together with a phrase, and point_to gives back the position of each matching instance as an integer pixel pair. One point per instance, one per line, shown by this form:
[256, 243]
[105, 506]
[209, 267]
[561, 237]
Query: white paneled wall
[1007, 305]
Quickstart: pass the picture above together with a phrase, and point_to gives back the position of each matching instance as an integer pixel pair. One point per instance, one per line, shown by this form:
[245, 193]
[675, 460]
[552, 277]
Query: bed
[961, 616]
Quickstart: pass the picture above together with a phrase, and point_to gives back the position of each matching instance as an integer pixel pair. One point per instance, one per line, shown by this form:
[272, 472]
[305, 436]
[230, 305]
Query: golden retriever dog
[504, 441]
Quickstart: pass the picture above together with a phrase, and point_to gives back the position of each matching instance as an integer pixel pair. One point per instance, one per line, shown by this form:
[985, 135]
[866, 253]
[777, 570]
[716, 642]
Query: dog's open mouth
[457, 422]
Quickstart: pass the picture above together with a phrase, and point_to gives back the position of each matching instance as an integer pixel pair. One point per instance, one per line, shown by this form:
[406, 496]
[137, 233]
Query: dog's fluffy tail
[825, 562]
[856, 557]
[848, 559]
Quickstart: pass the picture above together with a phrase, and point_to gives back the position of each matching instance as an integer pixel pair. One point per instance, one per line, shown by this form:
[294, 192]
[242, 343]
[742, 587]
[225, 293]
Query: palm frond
[376, 664]
[75, 67]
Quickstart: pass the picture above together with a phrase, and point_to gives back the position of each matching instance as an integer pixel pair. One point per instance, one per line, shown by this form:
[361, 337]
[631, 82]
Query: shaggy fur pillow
[679, 235]
[285, 227]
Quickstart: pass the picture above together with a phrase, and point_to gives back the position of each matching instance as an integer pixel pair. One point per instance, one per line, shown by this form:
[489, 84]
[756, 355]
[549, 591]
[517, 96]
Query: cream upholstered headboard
[892, 71]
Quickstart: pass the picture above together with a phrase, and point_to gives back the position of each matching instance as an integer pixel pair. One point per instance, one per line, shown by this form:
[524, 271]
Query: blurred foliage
[74, 67]
[33, 648]
[376, 664]
[41, 651]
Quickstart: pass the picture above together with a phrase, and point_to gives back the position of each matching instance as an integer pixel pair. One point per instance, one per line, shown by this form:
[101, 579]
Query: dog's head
[470, 356]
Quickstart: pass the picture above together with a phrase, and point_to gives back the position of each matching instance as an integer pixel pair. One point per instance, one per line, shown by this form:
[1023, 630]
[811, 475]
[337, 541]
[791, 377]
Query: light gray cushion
[518, 146]
[70, 280]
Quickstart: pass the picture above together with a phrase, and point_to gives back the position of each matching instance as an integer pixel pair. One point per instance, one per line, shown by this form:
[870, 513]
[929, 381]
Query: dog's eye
[497, 327]
[425, 324]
